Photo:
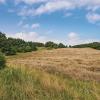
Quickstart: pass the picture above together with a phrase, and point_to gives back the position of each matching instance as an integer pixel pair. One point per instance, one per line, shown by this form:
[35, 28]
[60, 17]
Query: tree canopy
[10, 46]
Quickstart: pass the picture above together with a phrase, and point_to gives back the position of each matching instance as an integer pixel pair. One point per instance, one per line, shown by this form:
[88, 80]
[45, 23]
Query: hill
[94, 45]
[60, 74]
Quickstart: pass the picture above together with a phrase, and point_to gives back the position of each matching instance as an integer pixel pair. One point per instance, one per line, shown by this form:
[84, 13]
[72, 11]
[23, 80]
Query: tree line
[10, 46]
[94, 45]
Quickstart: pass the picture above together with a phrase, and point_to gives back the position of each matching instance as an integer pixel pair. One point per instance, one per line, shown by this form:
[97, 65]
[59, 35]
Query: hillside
[94, 45]
[49, 49]
[83, 63]
[61, 74]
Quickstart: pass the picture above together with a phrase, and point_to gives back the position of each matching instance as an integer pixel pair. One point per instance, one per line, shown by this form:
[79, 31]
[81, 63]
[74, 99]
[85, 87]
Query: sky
[68, 21]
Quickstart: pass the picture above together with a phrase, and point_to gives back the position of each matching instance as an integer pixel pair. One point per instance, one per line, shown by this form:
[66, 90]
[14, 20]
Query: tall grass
[32, 84]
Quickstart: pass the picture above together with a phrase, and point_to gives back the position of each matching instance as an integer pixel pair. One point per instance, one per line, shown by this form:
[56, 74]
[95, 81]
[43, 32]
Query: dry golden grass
[59, 74]
[83, 64]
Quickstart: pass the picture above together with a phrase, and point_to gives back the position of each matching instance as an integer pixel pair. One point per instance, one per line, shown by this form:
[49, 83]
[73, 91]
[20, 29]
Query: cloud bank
[28, 36]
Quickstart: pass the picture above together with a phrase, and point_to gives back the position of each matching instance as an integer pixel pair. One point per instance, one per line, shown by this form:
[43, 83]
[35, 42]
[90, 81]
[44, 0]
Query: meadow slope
[83, 63]
[59, 74]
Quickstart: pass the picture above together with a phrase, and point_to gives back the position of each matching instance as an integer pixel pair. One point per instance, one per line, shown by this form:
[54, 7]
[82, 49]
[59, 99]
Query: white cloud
[53, 6]
[28, 26]
[74, 39]
[2, 1]
[93, 17]
[49, 6]
[73, 36]
[36, 25]
[26, 11]
[78, 3]
[93, 8]
[30, 2]
[28, 36]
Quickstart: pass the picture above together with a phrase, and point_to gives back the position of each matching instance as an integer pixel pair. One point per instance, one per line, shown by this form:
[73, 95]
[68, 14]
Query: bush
[61, 45]
[28, 49]
[50, 44]
[2, 61]
[8, 51]
[20, 49]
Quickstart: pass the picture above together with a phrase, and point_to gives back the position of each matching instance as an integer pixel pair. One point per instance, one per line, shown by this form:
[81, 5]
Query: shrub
[2, 61]
[61, 45]
[50, 44]
[28, 49]
[8, 51]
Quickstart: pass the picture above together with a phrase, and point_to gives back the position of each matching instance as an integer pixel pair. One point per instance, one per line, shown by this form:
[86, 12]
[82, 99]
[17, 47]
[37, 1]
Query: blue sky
[67, 21]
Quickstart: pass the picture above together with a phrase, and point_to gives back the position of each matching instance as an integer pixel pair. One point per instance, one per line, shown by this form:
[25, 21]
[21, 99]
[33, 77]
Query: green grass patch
[27, 84]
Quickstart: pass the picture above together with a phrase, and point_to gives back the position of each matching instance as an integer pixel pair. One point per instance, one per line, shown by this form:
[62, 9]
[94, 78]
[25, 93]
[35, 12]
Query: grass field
[59, 74]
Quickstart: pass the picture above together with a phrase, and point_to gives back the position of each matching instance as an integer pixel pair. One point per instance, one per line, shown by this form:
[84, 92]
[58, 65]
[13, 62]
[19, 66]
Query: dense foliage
[95, 45]
[2, 61]
[60, 45]
[38, 44]
[8, 50]
[10, 46]
[50, 44]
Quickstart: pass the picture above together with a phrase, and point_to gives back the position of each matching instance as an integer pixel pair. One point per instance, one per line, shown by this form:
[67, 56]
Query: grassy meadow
[59, 74]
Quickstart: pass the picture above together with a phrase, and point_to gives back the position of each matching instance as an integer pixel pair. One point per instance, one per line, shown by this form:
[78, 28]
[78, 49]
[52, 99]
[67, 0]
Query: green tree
[60, 45]
[8, 51]
[2, 39]
[50, 44]
[33, 46]
[70, 46]
[2, 61]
